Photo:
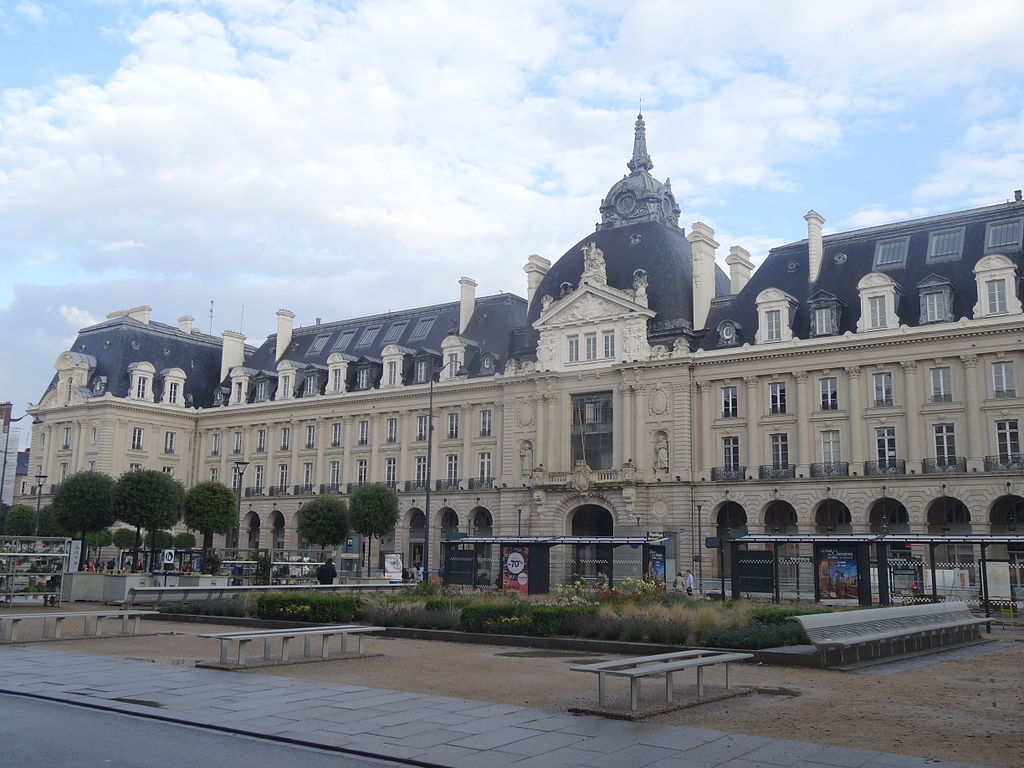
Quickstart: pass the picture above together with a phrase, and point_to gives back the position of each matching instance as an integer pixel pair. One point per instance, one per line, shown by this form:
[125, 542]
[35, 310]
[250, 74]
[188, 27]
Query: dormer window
[261, 391]
[173, 393]
[142, 376]
[363, 378]
[996, 280]
[892, 253]
[879, 295]
[284, 387]
[946, 245]
[773, 325]
[422, 367]
[825, 308]
[936, 294]
[310, 385]
[1003, 236]
[775, 311]
[141, 387]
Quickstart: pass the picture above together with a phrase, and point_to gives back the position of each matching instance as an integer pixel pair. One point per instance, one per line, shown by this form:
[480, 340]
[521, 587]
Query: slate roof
[786, 268]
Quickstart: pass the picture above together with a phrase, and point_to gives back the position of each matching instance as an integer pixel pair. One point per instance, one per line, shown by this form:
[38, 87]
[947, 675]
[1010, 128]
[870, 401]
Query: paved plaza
[421, 729]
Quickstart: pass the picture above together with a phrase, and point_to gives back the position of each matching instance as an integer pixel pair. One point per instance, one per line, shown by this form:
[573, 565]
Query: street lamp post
[239, 472]
[40, 479]
[430, 460]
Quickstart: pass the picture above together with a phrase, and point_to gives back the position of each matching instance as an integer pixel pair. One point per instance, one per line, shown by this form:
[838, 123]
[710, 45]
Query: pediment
[934, 281]
[590, 303]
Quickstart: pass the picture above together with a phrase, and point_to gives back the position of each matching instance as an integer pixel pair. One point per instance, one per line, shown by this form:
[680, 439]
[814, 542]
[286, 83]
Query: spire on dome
[640, 161]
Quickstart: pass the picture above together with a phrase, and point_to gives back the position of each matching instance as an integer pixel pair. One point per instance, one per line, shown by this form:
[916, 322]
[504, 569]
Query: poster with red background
[515, 571]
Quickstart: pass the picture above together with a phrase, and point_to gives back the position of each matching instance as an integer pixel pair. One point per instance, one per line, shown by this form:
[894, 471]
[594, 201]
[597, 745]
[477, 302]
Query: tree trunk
[207, 540]
[135, 553]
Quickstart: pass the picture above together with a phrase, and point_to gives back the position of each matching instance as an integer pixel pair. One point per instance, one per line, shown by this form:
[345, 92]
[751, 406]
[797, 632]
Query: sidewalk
[421, 729]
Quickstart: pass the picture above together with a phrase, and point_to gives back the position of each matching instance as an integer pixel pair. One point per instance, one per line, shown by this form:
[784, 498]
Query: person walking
[327, 573]
[689, 583]
[680, 583]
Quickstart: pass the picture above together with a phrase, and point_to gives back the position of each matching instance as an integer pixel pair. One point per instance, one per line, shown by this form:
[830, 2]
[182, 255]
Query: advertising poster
[656, 566]
[838, 575]
[515, 569]
[392, 565]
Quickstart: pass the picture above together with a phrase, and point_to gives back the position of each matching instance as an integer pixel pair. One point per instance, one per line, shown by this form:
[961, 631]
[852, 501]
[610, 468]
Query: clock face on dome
[625, 204]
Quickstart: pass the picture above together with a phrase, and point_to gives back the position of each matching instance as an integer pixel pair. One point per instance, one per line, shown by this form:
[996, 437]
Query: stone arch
[947, 514]
[887, 515]
[481, 522]
[833, 516]
[730, 516]
[415, 522]
[251, 526]
[1006, 515]
[449, 521]
[780, 517]
[591, 561]
[277, 528]
[591, 520]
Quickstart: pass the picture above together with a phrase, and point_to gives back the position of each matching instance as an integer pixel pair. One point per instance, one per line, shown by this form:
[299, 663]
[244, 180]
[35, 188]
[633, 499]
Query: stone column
[975, 386]
[498, 431]
[856, 387]
[406, 433]
[754, 406]
[348, 436]
[375, 472]
[705, 417]
[912, 420]
[804, 449]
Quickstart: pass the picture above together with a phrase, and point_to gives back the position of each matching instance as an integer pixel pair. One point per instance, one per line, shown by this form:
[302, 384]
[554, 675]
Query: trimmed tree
[324, 521]
[124, 538]
[184, 540]
[210, 508]
[20, 519]
[49, 525]
[84, 503]
[148, 499]
[373, 512]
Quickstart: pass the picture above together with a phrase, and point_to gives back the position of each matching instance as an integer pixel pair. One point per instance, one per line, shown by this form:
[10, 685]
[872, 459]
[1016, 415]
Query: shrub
[307, 606]
[229, 607]
[772, 615]
[755, 636]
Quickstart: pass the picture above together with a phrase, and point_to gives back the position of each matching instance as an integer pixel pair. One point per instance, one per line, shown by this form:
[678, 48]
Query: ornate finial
[640, 161]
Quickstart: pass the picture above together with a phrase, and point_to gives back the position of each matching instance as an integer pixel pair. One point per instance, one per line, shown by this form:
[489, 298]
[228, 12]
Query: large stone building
[855, 382]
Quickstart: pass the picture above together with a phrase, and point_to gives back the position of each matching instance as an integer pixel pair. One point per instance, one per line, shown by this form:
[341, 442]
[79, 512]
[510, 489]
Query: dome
[639, 196]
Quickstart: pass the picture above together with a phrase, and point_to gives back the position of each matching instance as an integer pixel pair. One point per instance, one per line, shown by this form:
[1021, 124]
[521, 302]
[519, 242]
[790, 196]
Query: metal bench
[660, 664]
[53, 623]
[286, 636]
[156, 595]
[931, 623]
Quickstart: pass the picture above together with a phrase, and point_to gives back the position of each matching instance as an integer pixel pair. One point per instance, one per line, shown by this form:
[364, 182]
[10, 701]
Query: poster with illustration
[392, 565]
[515, 569]
[656, 566]
[838, 575]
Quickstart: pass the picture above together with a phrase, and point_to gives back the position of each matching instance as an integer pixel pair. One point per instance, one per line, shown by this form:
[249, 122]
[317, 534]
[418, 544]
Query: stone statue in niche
[526, 460]
[640, 287]
[661, 454]
[546, 352]
[593, 262]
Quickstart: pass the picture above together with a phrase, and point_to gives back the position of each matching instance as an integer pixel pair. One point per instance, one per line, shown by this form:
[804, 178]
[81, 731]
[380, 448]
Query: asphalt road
[45, 734]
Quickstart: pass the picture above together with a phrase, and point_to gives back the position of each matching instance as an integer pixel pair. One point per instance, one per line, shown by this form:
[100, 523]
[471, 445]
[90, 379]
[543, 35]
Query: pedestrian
[327, 573]
[689, 583]
[419, 572]
[680, 583]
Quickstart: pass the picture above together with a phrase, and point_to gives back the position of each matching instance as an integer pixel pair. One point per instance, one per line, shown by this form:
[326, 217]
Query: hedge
[755, 636]
[523, 618]
[307, 606]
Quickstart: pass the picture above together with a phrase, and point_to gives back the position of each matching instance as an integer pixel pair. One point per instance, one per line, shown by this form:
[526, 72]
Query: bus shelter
[530, 564]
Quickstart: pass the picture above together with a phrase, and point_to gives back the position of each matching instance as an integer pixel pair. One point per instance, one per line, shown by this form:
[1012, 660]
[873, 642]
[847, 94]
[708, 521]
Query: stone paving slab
[429, 730]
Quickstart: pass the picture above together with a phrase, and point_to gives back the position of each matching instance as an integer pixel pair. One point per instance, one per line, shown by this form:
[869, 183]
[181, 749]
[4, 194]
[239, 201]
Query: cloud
[76, 317]
[31, 12]
[122, 245]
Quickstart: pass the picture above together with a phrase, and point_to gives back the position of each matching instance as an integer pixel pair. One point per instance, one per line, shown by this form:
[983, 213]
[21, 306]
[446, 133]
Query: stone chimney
[703, 244]
[185, 323]
[740, 267]
[467, 302]
[814, 246]
[140, 313]
[284, 331]
[232, 352]
[535, 269]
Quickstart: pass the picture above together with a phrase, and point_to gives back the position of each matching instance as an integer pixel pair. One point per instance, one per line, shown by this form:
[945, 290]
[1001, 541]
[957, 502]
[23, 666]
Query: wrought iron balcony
[719, 474]
[392, 484]
[412, 486]
[304, 490]
[730, 413]
[255, 490]
[777, 409]
[830, 404]
[776, 471]
[1001, 394]
[944, 464]
[1005, 462]
[330, 489]
[449, 485]
[278, 490]
[944, 397]
[883, 402]
[831, 469]
[886, 467]
[480, 483]
[215, 452]
[261, 449]
[335, 443]
[351, 487]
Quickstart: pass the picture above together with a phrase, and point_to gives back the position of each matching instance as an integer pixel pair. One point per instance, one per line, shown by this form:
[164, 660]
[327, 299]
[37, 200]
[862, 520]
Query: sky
[346, 158]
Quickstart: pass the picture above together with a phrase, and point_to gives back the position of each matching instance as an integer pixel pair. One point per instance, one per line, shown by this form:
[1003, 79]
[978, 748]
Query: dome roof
[639, 196]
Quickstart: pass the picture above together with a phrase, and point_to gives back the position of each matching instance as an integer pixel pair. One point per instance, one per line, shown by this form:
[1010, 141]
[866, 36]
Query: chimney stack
[1016, 195]
[703, 245]
[140, 313]
[467, 302]
[535, 269]
[814, 246]
[185, 323]
[740, 267]
[232, 352]
[284, 331]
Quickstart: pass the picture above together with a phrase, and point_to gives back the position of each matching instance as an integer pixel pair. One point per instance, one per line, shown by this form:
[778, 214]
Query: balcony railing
[353, 486]
[330, 489]
[776, 471]
[944, 464]
[449, 485]
[1005, 462]
[1001, 394]
[887, 467]
[278, 490]
[254, 490]
[944, 397]
[719, 474]
[730, 413]
[777, 409]
[304, 490]
[335, 443]
[830, 404]
[831, 469]
[883, 402]
[480, 483]
[412, 486]
[215, 452]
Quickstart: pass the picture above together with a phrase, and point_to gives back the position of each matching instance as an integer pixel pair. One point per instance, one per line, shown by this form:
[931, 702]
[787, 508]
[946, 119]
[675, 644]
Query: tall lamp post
[239, 472]
[40, 479]
[430, 458]
[3, 472]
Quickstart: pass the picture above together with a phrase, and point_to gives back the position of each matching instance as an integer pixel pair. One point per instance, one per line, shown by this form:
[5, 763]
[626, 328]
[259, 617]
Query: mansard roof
[849, 256]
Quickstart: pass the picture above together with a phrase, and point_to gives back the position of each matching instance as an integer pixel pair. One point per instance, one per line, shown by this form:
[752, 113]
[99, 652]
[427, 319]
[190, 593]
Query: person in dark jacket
[327, 573]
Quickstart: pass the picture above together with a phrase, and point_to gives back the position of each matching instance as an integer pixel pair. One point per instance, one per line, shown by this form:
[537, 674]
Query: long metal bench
[930, 624]
[659, 664]
[156, 595]
[53, 623]
[286, 636]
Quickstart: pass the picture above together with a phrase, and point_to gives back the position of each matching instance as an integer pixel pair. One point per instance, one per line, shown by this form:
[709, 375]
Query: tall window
[335, 473]
[337, 382]
[731, 453]
[392, 375]
[137, 435]
[883, 388]
[592, 429]
[452, 467]
[169, 442]
[422, 424]
[214, 474]
[309, 386]
[885, 445]
[236, 445]
[363, 378]
[282, 475]
[141, 387]
[421, 470]
[257, 480]
[485, 422]
[730, 404]
[362, 470]
[574, 349]
[392, 430]
[1003, 384]
[609, 343]
[421, 371]
[174, 392]
[876, 305]
[777, 396]
[310, 435]
[364, 432]
[934, 307]
[830, 452]
[336, 434]
[942, 385]
[591, 346]
[1008, 440]
[307, 473]
[261, 440]
[286, 438]
[945, 444]
[453, 425]
[485, 465]
[780, 450]
[261, 391]
[996, 292]
[284, 390]
[391, 472]
[67, 438]
[829, 389]
[773, 321]
[215, 444]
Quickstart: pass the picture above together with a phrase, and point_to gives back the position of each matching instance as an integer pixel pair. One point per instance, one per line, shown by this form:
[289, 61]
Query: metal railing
[1005, 462]
[480, 483]
[776, 471]
[330, 489]
[255, 490]
[719, 474]
[304, 490]
[830, 469]
[886, 467]
[278, 490]
[449, 485]
[412, 486]
[944, 464]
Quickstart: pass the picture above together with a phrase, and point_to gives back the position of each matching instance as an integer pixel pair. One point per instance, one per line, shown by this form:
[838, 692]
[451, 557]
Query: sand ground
[969, 709]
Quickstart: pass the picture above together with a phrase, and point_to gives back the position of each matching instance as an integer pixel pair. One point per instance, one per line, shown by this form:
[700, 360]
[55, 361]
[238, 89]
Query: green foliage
[123, 538]
[324, 521]
[49, 525]
[307, 606]
[149, 499]
[210, 508]
[524, 618]
[373, 510]
[160, 540]
[99, 538]
[211, 561]
[229, 607]
[85, 502]
[755, 636]
[184, 540]
[772, 615]
[20, 519]
[263, 567]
